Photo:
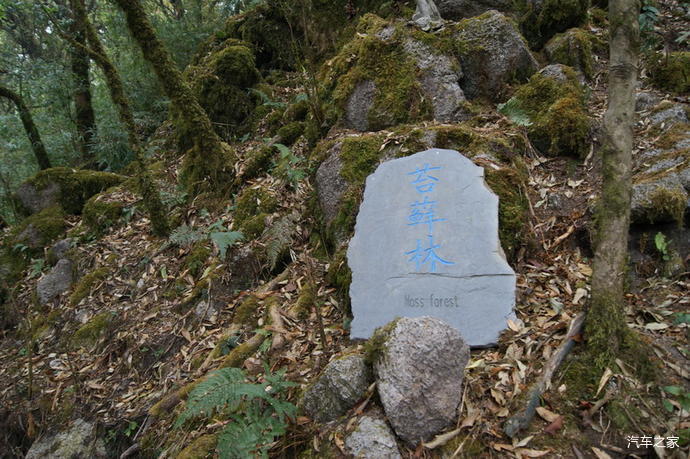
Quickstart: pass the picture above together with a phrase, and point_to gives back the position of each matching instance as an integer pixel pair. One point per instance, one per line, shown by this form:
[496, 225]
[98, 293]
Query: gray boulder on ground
[645, 101]
[79, 442]
[59, 250]
[492, 54]
[670, 116]
[56, 282]
[372, 439]
[458, 9]
[419, 374]
[35, 199]
[341, 384]
[330, 183]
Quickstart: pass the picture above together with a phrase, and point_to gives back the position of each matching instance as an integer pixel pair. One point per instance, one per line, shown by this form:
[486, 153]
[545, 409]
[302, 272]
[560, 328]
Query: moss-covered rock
[257, 162]
[573, 48]
[245, 314]
[289, 133]
[83, 287]
[671, 72]
[305, 300]
[541, 20]
[39, 230]
[220, 80]
[554, 102]
[89, 333]
[253, 201]
[70, 188]
[252, 227]
[200, 448]
[102, 212]
[196, 258]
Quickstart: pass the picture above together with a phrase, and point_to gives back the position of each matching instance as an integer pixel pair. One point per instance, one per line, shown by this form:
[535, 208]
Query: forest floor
[151, 348]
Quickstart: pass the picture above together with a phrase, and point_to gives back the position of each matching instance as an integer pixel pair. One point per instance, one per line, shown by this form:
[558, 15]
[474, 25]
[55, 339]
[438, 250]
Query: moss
[573, 48]
[513, 208]
[291, 132]
[219, 81]
[541, 21]
[376, 344]
[99, 214]
[672, 72]
[669, 139]
[254, 226]
[257, 163]
[83, 288]
[76, 186]
[202, 171]
[253, 201]
[360, 156]
[398, 95]
[305, 301]
[91, 331]
[665, 204]
[238, 355]
[297, 111]
[200, 448]
[558, 113]
[246, 312]
[39, 230]
[196, 258]
[339, 276]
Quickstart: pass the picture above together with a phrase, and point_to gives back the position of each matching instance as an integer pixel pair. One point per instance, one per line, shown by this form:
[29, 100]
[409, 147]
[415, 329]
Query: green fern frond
[514, 112]
[279, 237]
[185, 236]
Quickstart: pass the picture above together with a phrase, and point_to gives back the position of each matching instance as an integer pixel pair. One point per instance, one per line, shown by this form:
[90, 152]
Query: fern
[265, 100]
[279, 237]
[185, 236]
[257, 413]
[224, 239]
[514, 112]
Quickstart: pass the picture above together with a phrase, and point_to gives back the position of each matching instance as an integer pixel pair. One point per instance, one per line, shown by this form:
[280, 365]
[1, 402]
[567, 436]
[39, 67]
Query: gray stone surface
[392, 270]
[330, 184]
[341, 384]
[79, 442]
[493, 54]
[372, 439]
[670, 116]
[440, 81]
[59, 250]
[458, 9]
[419, 374]
[645, 101]
[56, 282]
[35, 200]
[427, 16]
[358, 105]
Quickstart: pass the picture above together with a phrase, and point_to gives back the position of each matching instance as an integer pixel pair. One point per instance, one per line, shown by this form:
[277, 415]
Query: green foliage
[186, 236]
[224, 239]
[257, 411]
[278, 238]
[514, 112]
[648, 19]
[289, 167]
[680, 394]
[36, 268]
[661, 245]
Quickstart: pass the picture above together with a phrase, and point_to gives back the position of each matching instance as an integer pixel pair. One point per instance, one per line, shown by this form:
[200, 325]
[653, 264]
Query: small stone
[419, 373]
[56, 282]
[79, 441]
[372, 439]
[342, 383]
[59, 250]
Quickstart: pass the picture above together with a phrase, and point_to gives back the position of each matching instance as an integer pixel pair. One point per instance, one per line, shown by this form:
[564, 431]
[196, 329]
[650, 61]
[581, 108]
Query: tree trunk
[29, 127]
[150, 195]
[208, 163]
[85, 119]
[606, 330]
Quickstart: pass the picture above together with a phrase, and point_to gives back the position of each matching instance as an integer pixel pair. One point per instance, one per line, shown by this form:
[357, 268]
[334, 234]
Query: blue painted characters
[423, 213]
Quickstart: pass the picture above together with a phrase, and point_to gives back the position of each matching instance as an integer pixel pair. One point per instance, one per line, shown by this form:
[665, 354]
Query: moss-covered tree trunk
[147, 188]
[208, 163]
[85, 119]
[606, 330]
[29, 126]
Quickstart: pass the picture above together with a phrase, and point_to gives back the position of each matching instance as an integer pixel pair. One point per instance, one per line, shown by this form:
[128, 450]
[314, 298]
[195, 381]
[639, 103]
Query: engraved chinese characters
[426, 244]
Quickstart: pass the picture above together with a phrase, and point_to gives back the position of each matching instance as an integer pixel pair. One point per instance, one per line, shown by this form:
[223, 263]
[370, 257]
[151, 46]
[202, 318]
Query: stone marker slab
[426, 244]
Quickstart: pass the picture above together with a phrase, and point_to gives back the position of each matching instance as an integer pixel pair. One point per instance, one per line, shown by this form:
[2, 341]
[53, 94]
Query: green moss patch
[196, 259]
[254, 201]
[39, 230]
[100, 213]
[291, 132]
[75, 186]
[540, 21]
[83, 288]
[559, 123]
[513, 207]
[573, 48]
[671, 72]
[89, 334]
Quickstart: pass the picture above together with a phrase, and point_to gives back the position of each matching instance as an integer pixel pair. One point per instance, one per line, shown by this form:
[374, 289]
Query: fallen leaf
[442, 439]
[547, 415]
[579, 294]
[531, 452]
[656, 326]
[600, 454]
[555, 426]
[604, 379]
[524, 441]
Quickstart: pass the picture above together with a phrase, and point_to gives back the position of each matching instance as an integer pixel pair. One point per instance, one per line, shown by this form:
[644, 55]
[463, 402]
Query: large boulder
[553, 107]
[372, 439]
[492, 54]
[661, 180]
[459, 9]
[342, 383]
[79, 441]
[574, 48]
[389, 75]
[542, 19]
[220, 79]
[56, 282]
[70, 188]
[419, 365]
[39, 230]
